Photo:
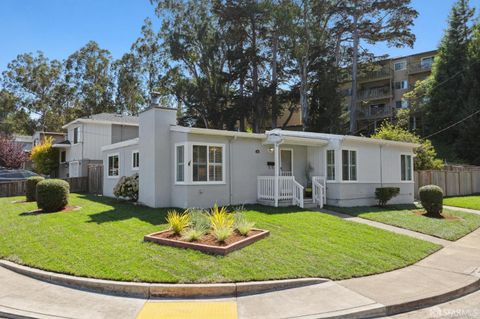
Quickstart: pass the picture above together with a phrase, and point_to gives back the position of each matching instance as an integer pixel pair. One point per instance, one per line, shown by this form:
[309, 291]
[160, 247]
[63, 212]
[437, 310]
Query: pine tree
[448, 87]
[468, 143]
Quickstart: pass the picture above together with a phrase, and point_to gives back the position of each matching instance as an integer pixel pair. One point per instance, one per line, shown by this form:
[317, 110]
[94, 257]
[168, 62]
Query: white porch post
[277, 170]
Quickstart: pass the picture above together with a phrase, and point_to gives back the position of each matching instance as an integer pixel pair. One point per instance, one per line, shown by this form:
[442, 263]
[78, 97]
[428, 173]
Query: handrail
[319, 190]
[297, 194]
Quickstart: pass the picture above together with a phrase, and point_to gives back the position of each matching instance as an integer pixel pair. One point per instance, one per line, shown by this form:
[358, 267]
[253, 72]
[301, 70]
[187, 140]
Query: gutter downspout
[381, 165]
[230, 182]
[277, 164]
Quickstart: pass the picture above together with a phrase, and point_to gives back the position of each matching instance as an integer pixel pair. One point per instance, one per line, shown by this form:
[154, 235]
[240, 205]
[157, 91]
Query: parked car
[7, 175]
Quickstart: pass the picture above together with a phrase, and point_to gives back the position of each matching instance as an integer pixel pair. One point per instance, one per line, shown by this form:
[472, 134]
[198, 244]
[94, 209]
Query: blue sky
[60, 27]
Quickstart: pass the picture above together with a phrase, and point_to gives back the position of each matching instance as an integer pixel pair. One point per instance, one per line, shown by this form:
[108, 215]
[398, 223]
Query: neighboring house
[194, 167]
[85, 138]
[381, 91]
[39, 137]
[26, 141]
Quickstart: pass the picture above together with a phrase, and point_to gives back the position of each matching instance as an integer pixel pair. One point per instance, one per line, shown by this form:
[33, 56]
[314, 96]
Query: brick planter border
[209, 249]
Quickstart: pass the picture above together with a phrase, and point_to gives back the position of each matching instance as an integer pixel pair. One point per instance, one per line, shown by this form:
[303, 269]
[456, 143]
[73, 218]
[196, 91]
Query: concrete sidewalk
[450, 273]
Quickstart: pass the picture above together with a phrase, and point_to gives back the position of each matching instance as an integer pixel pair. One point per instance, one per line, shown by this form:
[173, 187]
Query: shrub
[31, 192]
[199, 220]
[222, 233]
[431, 197]
[385, 194]
[127, 187]
[193, 234]
[242, 224]
[45, 157]
[177, 222]
[52, 195]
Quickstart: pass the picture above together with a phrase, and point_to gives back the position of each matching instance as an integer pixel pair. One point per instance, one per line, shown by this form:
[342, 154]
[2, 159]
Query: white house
[194, 167]
[85, 138]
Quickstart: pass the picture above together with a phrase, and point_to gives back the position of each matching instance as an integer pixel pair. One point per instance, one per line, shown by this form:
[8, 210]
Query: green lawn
[404, 216]
[472, 202]
[104, 239]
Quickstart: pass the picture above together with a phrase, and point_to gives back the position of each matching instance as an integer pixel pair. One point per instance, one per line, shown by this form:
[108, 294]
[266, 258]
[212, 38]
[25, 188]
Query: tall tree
[374, 21]
[148, 52]
[468, 144]
[129, 97]
[35, 84]
[89, 73]
[448, 86]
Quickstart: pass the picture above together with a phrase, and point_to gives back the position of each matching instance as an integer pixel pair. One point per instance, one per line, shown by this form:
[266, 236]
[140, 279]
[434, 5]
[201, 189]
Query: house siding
[123, 133]
[125, 167]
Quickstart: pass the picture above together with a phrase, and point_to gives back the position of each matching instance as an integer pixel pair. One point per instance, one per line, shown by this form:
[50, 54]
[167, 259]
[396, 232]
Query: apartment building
[380, 91]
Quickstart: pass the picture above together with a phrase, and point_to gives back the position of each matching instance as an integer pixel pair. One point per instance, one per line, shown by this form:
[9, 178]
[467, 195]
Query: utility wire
[454, 124]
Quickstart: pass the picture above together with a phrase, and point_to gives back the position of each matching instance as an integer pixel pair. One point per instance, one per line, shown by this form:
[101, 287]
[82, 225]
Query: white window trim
[78, 135]
[108, 168]
[412, 179]
[185, 163]
[190, 170]
[341, 165]
[133, 167]
[334, 166]
[188, 163]
[398, 62]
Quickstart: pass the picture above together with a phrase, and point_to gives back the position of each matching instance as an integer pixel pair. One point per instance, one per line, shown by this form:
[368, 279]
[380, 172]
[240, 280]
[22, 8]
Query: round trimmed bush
[431, 197]
[31, 192]
[52, 195]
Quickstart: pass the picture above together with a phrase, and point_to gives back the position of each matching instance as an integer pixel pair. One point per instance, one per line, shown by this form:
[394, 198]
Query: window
[402, 104]
[63, 157]
[349, 165]
[180, 163]
[135, 160]
[398, 104]
[426, 63]
[75, 135]
[406, 169]
[330, 165]
[113, 165]
[207, 163]
[402, 85]
[399, 66]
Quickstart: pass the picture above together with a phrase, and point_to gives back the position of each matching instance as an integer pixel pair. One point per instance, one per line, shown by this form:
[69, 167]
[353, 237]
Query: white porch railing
[266, 187]
[297, 194]
[319, 193]
[288, 189]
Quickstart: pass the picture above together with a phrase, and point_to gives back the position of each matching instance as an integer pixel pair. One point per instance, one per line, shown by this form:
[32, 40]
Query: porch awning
[275, 138]
[64, 144]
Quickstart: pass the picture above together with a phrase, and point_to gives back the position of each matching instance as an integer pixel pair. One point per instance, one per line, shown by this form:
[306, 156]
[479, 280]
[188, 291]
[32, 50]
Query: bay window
[349, 165]
[406, 167]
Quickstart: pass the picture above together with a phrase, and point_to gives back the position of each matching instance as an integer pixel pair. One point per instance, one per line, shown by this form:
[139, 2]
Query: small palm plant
[177, 222]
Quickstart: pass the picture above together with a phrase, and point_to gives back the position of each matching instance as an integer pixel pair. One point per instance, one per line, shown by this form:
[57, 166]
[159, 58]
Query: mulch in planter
[40, 211]
[208, 243]
[444, 216]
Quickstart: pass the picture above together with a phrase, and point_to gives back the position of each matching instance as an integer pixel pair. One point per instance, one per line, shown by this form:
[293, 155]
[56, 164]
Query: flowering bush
[11, 153]
[127, 187]
[45, 157]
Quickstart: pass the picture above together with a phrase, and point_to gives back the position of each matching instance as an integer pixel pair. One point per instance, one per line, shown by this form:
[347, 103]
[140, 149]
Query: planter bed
[208, 243]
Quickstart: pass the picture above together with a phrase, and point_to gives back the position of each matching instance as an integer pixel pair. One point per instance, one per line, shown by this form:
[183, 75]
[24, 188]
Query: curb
[433, 300]
[147, 290]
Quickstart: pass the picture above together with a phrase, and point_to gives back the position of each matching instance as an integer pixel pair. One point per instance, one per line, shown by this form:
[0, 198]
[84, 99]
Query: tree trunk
[256, 106]
[353, 101]
[304, 71]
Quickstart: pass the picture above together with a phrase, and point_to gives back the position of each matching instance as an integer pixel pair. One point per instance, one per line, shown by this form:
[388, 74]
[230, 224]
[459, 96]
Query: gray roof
[114, 117]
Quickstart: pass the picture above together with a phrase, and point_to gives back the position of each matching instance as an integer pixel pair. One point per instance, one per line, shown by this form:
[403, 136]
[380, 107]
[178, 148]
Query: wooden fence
[18, 188]
[453, 181]
[95, 178]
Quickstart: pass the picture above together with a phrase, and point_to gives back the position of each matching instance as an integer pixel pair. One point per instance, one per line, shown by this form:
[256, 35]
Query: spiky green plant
[177, 222]
[192, 234]
[221, 218]
[242, 224]
[222, 233]
[199, 220]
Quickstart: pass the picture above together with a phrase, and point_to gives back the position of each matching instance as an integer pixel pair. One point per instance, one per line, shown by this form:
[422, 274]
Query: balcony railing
[420, 66]
[384, 72]
[375, 93]
[375, 112]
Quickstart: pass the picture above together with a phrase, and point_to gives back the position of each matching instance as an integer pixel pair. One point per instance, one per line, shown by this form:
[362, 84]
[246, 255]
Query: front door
[286, 162]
